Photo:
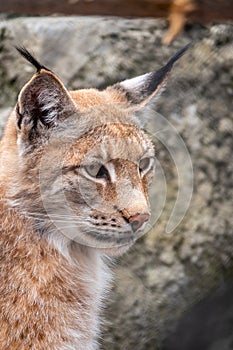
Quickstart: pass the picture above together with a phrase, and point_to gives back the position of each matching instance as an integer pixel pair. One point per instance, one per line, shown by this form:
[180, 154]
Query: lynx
[75, 168]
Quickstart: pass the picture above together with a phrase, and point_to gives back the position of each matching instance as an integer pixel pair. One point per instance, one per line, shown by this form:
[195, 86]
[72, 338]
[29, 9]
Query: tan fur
[40, 294]
[92, 97]
[47, 301]
[58, 221]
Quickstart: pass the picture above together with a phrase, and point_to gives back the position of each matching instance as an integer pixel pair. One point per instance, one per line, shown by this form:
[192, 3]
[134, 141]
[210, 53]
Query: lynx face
[108, 184]
[84, 164]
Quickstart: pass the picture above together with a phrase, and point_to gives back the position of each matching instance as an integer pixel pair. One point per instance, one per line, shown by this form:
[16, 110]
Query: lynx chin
[75, 168]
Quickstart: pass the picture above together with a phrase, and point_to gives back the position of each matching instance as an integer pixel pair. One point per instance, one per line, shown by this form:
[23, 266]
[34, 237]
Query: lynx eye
[144, 164]
[97, 170]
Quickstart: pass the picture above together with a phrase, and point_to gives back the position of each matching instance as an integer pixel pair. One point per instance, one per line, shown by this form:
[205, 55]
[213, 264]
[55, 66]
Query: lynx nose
[138, 220]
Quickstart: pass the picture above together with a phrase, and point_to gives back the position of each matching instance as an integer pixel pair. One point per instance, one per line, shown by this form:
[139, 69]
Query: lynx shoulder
[75, 168]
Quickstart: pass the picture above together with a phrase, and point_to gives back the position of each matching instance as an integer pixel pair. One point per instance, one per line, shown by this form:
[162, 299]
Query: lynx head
[84, 165]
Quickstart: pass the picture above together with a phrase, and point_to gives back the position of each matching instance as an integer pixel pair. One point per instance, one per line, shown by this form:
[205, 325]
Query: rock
[84, 51]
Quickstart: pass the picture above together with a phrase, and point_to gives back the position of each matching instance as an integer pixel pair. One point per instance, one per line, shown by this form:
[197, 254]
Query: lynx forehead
[75, 170]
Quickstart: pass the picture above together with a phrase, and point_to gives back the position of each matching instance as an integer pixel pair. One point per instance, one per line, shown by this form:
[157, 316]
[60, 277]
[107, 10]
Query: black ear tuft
[159, 76]
[139, 91]
[177, 55]
[30, 58]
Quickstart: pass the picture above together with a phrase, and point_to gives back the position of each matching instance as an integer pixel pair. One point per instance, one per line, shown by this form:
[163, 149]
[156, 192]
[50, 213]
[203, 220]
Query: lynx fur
[75, 168]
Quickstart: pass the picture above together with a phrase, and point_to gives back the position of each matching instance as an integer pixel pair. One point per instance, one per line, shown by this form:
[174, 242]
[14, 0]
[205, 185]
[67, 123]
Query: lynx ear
[43, 101]
[140, 90]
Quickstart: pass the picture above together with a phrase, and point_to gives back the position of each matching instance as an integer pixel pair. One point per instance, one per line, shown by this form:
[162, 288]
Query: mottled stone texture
[164, 274]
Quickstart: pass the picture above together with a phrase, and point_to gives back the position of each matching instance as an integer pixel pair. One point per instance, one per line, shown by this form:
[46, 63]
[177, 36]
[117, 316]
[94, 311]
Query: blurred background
[172, 291]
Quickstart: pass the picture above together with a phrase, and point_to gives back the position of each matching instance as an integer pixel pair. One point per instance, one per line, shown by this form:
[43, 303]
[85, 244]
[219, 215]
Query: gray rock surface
[208, 325]
[164, 274]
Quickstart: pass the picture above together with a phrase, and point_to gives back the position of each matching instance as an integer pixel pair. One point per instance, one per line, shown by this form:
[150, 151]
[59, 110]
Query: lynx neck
[49, 302]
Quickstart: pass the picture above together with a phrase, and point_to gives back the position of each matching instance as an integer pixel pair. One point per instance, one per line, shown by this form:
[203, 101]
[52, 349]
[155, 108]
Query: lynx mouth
[115, 239]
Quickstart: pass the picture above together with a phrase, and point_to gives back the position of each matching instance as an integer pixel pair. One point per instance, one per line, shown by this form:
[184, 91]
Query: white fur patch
[49, 103]
[111, 170]
[135, 83]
